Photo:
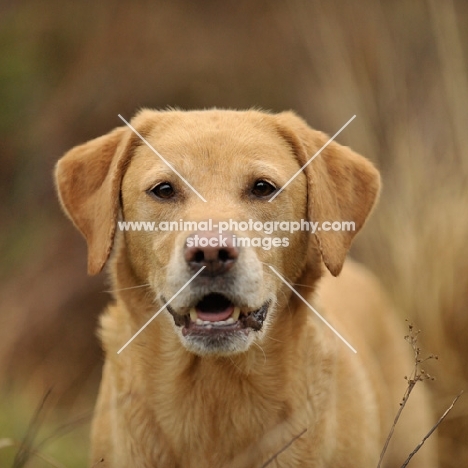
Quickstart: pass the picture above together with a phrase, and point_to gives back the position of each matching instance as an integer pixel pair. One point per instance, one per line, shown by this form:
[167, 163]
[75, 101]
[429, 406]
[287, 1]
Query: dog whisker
[281, 291]
[273, 339]
[235, 365]
[125, 289]
[262, 350]
[303, 285]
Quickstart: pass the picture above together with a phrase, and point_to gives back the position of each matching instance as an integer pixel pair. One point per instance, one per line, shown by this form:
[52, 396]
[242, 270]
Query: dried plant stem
[284, 448]
[418, 375]
[436, 425]
[408, 391]
[25, 448]
[4, 443]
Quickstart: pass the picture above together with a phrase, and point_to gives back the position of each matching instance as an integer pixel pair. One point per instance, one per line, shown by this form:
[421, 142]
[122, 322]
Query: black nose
[216, 252]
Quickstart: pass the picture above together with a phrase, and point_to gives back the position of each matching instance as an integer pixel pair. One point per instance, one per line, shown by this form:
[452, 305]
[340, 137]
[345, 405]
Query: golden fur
[168, 402]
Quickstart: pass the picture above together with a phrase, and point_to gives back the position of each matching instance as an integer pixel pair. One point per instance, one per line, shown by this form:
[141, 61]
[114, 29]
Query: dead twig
[4, 443]
[418, 375]
[436, 425]
[25, 448]
[284, 448]
[66, 428]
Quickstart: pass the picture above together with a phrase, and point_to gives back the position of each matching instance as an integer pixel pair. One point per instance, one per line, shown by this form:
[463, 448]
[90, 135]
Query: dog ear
[88, 179]
[342, 186]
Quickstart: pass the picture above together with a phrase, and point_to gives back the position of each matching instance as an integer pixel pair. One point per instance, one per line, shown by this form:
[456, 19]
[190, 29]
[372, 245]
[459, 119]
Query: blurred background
[68, 68]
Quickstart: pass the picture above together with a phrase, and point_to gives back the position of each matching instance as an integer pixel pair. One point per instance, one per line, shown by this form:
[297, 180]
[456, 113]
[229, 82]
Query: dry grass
[33, 436]
[408, 86]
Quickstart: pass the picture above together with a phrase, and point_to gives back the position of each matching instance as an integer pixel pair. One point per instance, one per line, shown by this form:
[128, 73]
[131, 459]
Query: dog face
[236, 161]
[236, 165]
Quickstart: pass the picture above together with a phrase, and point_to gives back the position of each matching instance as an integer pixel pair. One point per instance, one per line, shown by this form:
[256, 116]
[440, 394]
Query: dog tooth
[235, 314]
[199, 321]
[229, 320]
[193, 314]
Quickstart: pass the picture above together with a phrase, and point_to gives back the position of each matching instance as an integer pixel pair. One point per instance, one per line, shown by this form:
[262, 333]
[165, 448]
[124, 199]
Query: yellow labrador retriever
[237, 370]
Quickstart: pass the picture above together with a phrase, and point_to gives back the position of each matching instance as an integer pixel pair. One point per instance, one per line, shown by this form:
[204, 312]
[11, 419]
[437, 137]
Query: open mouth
[215, 313]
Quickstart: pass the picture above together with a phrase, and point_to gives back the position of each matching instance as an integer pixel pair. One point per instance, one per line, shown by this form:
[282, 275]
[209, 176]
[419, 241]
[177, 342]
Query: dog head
[219, 170]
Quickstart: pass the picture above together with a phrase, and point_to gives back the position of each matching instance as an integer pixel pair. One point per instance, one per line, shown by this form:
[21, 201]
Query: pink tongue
[215, 316]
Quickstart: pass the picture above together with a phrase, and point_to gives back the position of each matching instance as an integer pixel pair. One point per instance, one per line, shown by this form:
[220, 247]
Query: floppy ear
[88, 181]
[342, 186]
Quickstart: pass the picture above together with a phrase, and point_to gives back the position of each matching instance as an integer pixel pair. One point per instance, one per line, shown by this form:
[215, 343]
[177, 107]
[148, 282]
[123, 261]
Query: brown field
[69, 69]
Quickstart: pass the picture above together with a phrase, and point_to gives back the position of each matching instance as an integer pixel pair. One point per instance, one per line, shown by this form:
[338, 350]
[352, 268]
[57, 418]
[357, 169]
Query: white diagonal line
[313, 310]
[312, 158]
[161, 309]
[160, 156]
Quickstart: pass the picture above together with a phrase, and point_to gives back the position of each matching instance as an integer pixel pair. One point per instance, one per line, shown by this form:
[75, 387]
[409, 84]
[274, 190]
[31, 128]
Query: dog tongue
[215, 316]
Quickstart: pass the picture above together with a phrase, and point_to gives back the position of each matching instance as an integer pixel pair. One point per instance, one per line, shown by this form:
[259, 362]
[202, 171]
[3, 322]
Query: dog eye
[163, 190]
[261, 188]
